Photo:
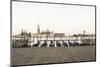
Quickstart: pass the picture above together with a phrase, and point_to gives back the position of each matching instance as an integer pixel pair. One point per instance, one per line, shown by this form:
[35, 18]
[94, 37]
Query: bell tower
[38, 28]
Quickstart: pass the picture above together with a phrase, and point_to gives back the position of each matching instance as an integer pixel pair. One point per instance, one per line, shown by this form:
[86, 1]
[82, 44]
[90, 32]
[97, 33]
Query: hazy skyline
[68, 19]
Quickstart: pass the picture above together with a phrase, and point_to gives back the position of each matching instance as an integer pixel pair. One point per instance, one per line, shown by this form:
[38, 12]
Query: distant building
[21, 40]
[46, 33]
[86, 38]
[59, 34]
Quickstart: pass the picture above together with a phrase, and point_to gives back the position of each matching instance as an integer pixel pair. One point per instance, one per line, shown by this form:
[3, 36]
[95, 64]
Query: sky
[68, 19]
